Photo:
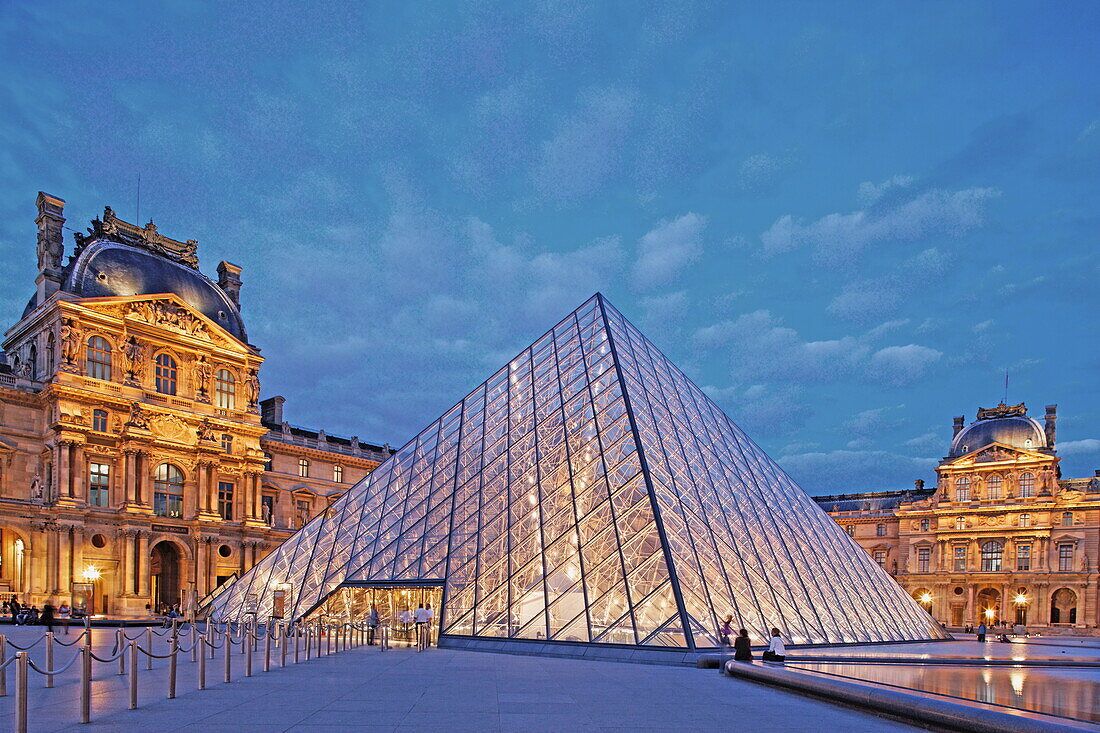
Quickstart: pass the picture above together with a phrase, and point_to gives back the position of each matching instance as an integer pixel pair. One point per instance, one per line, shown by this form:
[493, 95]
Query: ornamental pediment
[994, 453]
[168, 312]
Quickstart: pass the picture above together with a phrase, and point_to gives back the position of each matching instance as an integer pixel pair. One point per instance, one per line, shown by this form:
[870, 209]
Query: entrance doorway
[164, 565]
[354, 604]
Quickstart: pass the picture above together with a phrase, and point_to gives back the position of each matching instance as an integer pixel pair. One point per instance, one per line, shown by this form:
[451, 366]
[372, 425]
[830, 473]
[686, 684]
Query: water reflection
[1071, 693]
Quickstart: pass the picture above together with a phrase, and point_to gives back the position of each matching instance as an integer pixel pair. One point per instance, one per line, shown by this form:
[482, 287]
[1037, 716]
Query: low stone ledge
[927, 710]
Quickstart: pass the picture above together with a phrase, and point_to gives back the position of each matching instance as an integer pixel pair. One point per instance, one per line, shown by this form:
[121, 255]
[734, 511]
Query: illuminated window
[1027, 485]
[168, 491]
[880, 530]
[924, 559]
[1025, 520]
[225, 500]
[99, 421]
[880, 558]
[303, 467]
[962, 489]
[851, 530]
[960, 557]
[1023, 557]
[960, 522]
[99, 481]
[338, 474]
[1067, 519]
[993, 486]
[99, 358]
[925, 525]
[225, 389]
[227, 443]
[1065, 557]
[166, 374]
[992, 552]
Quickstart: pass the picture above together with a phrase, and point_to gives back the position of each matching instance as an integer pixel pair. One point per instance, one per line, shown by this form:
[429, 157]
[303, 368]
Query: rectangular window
[924, 525]
[1023, 557]
[267, 509]
[994, 486]
[924, 559]
[225, 500]
[99, 421]
[227, 443]
[303, 467]
[338, 474]
[1025, 520]
[99, 481]
[1065, 557]
[303, 508]
[880, 558]
[960, 557]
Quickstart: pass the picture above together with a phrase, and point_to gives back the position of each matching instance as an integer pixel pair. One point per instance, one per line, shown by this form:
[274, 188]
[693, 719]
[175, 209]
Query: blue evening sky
[844, 220]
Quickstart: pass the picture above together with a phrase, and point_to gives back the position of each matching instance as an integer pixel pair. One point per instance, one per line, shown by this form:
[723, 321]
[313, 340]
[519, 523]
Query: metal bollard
[228, 659]
[281, 638]
[194, 642]
[133, 675]
[4, 671]
[247, 641]
[309, 643]
[49, 657]
[120, 648]
[267, 649]
[297, 644]
[172, 667]
[149, 645]
[328, 641]
[21, 679]
[85, 684]
[202, 662]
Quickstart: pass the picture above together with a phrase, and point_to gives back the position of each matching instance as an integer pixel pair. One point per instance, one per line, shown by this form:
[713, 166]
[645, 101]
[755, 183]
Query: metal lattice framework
[588, 491]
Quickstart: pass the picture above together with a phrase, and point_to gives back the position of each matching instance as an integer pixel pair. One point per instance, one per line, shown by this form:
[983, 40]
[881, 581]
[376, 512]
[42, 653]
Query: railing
[321, 639]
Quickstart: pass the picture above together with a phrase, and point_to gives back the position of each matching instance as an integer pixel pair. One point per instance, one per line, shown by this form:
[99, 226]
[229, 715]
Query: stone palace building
[138, 466]
[1001, 537]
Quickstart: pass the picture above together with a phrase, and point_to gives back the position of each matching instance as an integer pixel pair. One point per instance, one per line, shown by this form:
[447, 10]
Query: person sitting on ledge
[776, 650]
[742, 647]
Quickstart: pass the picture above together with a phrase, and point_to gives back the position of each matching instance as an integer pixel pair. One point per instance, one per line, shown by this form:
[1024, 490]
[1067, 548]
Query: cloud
[1078, 447]
[871, 298]
[763, 170]
[585, 149]
[836, 237]
[850, 471]
[929, 441]
[900, 365]
[870, 192]
[667, 249]
[762, 410]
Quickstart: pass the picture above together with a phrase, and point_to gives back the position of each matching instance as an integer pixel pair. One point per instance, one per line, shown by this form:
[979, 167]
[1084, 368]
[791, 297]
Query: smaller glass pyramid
[589, 492]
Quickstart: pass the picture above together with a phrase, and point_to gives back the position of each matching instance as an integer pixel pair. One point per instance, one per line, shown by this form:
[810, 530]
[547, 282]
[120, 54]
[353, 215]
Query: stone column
[203, 478]
[969, 614]
[65, 560]
[79, 474]
[53, 558]
[35, 560]
[191, 495]
[128, 478]
[125, 572]
[197, 568]
[211, 565]
[64, 485]
[145, 580]
[78, 553]
[144, 494]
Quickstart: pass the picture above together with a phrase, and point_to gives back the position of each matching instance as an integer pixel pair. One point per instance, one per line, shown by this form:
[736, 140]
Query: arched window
[168, 491]
[960, 522]
[99, 358]
[992, 552]
[962, 489]
[166, 374]
[993, 484]
[1025, 520]
[880, 530]
[33, 358]
[225, 389]
[1067, 519]
[51, 354]
[1027, 485]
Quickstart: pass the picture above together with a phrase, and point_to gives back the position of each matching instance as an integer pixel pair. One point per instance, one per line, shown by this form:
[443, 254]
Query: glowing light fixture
[1020, 599]
[926, 598]
[990, 613]
[91, 573]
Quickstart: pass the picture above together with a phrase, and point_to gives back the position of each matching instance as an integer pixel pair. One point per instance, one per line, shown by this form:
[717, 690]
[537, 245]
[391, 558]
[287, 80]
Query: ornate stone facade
[135, 466]
[1002, 536]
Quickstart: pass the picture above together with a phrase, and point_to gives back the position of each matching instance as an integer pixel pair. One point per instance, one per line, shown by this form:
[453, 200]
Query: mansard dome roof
[1015, 431]
[104, 268]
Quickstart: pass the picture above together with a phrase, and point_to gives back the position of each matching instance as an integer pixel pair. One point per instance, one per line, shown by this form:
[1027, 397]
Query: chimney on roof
[1048, 428]
[271, 410]
[958, 426]
[919, 484]
[229, 280]
[51, 244]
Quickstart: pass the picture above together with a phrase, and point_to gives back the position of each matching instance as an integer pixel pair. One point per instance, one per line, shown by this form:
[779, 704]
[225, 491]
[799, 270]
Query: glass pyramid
[589, 492]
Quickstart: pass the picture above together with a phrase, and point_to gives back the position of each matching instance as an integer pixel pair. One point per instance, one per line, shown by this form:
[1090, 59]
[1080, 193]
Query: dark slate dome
[105, 268]
[1016, 431]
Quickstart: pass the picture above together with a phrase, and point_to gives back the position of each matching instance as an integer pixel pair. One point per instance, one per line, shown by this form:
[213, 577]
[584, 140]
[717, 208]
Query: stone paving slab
[440, 689]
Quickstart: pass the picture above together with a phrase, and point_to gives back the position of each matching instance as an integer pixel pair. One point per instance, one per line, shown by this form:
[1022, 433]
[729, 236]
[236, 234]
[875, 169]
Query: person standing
[777, 651]
[64, 612]
[981, 631]
[421, 618]
[726, 632]
[47, 617]
[429, 616]
[372, 624]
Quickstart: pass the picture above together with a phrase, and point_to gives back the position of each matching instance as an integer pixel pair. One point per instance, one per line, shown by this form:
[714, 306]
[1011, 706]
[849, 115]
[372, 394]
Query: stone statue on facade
[132, 354]
[203, 370]
[71, 339]
[265, 512]
[252, 389]
[139, 418]
[206, 431]
[36, 488]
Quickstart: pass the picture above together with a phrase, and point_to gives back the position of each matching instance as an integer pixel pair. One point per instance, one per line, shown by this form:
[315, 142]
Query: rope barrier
[25, 648]
[153, 656]
[50, 672]
[117, 654]
[8, 663]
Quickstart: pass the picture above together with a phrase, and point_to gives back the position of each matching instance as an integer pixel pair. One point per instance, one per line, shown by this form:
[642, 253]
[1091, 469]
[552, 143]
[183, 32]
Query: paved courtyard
[438, 690]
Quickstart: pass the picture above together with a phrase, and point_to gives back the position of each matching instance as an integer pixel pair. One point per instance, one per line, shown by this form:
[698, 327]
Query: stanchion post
[120, 648]
[22, 672]
[3, 670]
[282, 644]
[202, 662]
[267, 649]
[297, 631]
[309, 642]
[133, 675]
[149, 644]
[85, 684]
[247, 641]
[49, 658]
[195, 642]
[172, 667]
[228, 658]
